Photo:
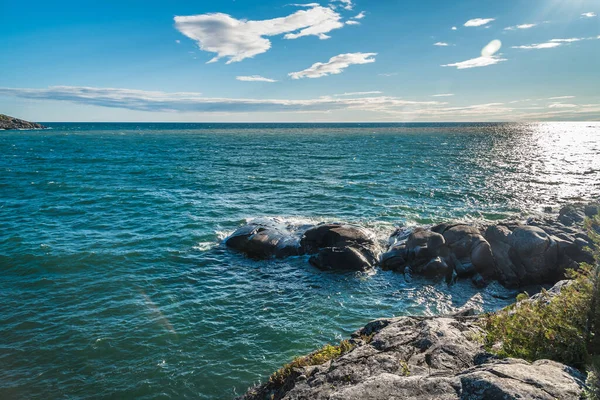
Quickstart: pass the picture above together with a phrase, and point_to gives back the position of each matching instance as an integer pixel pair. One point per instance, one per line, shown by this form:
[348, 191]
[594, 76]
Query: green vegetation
[321, 356]
[564, 328]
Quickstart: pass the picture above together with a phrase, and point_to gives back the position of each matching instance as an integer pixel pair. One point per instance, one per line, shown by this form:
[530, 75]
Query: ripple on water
[114, 284]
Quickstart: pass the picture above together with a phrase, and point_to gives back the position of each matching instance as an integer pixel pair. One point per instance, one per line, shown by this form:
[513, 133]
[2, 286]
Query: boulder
[341, 259]
[395, 259]
[467, 243]
[335, 235]
[265, 239]
[528, 255]
[340, 247]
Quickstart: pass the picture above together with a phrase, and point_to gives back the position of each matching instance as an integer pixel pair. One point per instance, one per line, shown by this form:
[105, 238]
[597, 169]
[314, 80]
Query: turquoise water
[113, 283]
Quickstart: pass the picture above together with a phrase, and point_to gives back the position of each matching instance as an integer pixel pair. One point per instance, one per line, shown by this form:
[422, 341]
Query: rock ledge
[7, 123]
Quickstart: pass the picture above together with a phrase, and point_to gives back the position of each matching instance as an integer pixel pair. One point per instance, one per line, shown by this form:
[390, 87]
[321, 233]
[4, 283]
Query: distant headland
[7, 123]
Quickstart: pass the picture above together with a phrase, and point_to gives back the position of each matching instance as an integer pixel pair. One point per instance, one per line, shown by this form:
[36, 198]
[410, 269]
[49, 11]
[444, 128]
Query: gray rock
[341, 259]
[264, 239]
[335, 235]
[518, 379]
[7, 123]
[340, 247]
[424, 358]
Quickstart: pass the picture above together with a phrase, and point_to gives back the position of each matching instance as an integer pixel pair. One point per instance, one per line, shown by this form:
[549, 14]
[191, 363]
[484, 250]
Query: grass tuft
[321, 356]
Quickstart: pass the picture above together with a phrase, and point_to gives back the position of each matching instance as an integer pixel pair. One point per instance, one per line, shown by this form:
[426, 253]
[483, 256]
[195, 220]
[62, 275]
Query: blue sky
[341, 60]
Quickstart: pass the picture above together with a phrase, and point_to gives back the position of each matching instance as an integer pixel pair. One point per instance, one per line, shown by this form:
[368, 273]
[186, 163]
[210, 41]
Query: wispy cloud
[359, 93]
[254, 78]
[360, 15]
[380, 107]
[441, 44]
[352, 22]
[478, 22]
[477, 62]
[561, 97]
[335, 65]
[388, 74]
[240, 39]
[590, 14]
[553, 43]
[562, 105]
[140, 100]
[454, 28]
[442, 95]
[538, 46]
[571, 40]
[522, 26]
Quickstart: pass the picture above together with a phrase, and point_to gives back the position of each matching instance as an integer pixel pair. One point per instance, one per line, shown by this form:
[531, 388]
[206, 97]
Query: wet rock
[437, 267]
[466, 242]
[265, 239]
[340, 247]
[340, 259]
[528, 255]
[334, 235]
[395, 259]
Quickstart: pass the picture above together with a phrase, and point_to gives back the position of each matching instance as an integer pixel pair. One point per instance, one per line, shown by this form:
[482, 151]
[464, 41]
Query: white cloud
[442, 95]
[561, 97]
[335, 65]
[561, 105]
[571, 40]
[550, 44]
[254, 78]
[389, 74]
[476, 62]
[588, 14]
[360, 15]
[239, 39]
[359, 93]
[547, 45]
[491, 48]
[454, 28]
[178, 41]
[345, 4]
[479, 21]
[352, 22]
[443, 44]
[522, 26]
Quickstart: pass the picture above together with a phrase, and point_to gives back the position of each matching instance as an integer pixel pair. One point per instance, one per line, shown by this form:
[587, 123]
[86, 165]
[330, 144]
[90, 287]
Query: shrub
[564, 328]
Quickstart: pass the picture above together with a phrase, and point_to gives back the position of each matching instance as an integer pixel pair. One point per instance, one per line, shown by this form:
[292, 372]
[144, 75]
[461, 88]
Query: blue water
[113, 282]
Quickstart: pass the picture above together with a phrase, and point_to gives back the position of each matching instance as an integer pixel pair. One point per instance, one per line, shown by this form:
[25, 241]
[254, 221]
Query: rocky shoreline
[424, 358]
[9, 123]
[430, 357]
[516, 254]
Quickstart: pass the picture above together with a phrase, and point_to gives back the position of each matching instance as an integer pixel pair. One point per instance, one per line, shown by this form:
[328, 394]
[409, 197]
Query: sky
[279, 61]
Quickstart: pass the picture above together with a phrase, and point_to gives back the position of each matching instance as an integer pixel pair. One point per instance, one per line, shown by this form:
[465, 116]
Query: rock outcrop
[517, 254]
[7, 123]
[424, 358]
[331, 246]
